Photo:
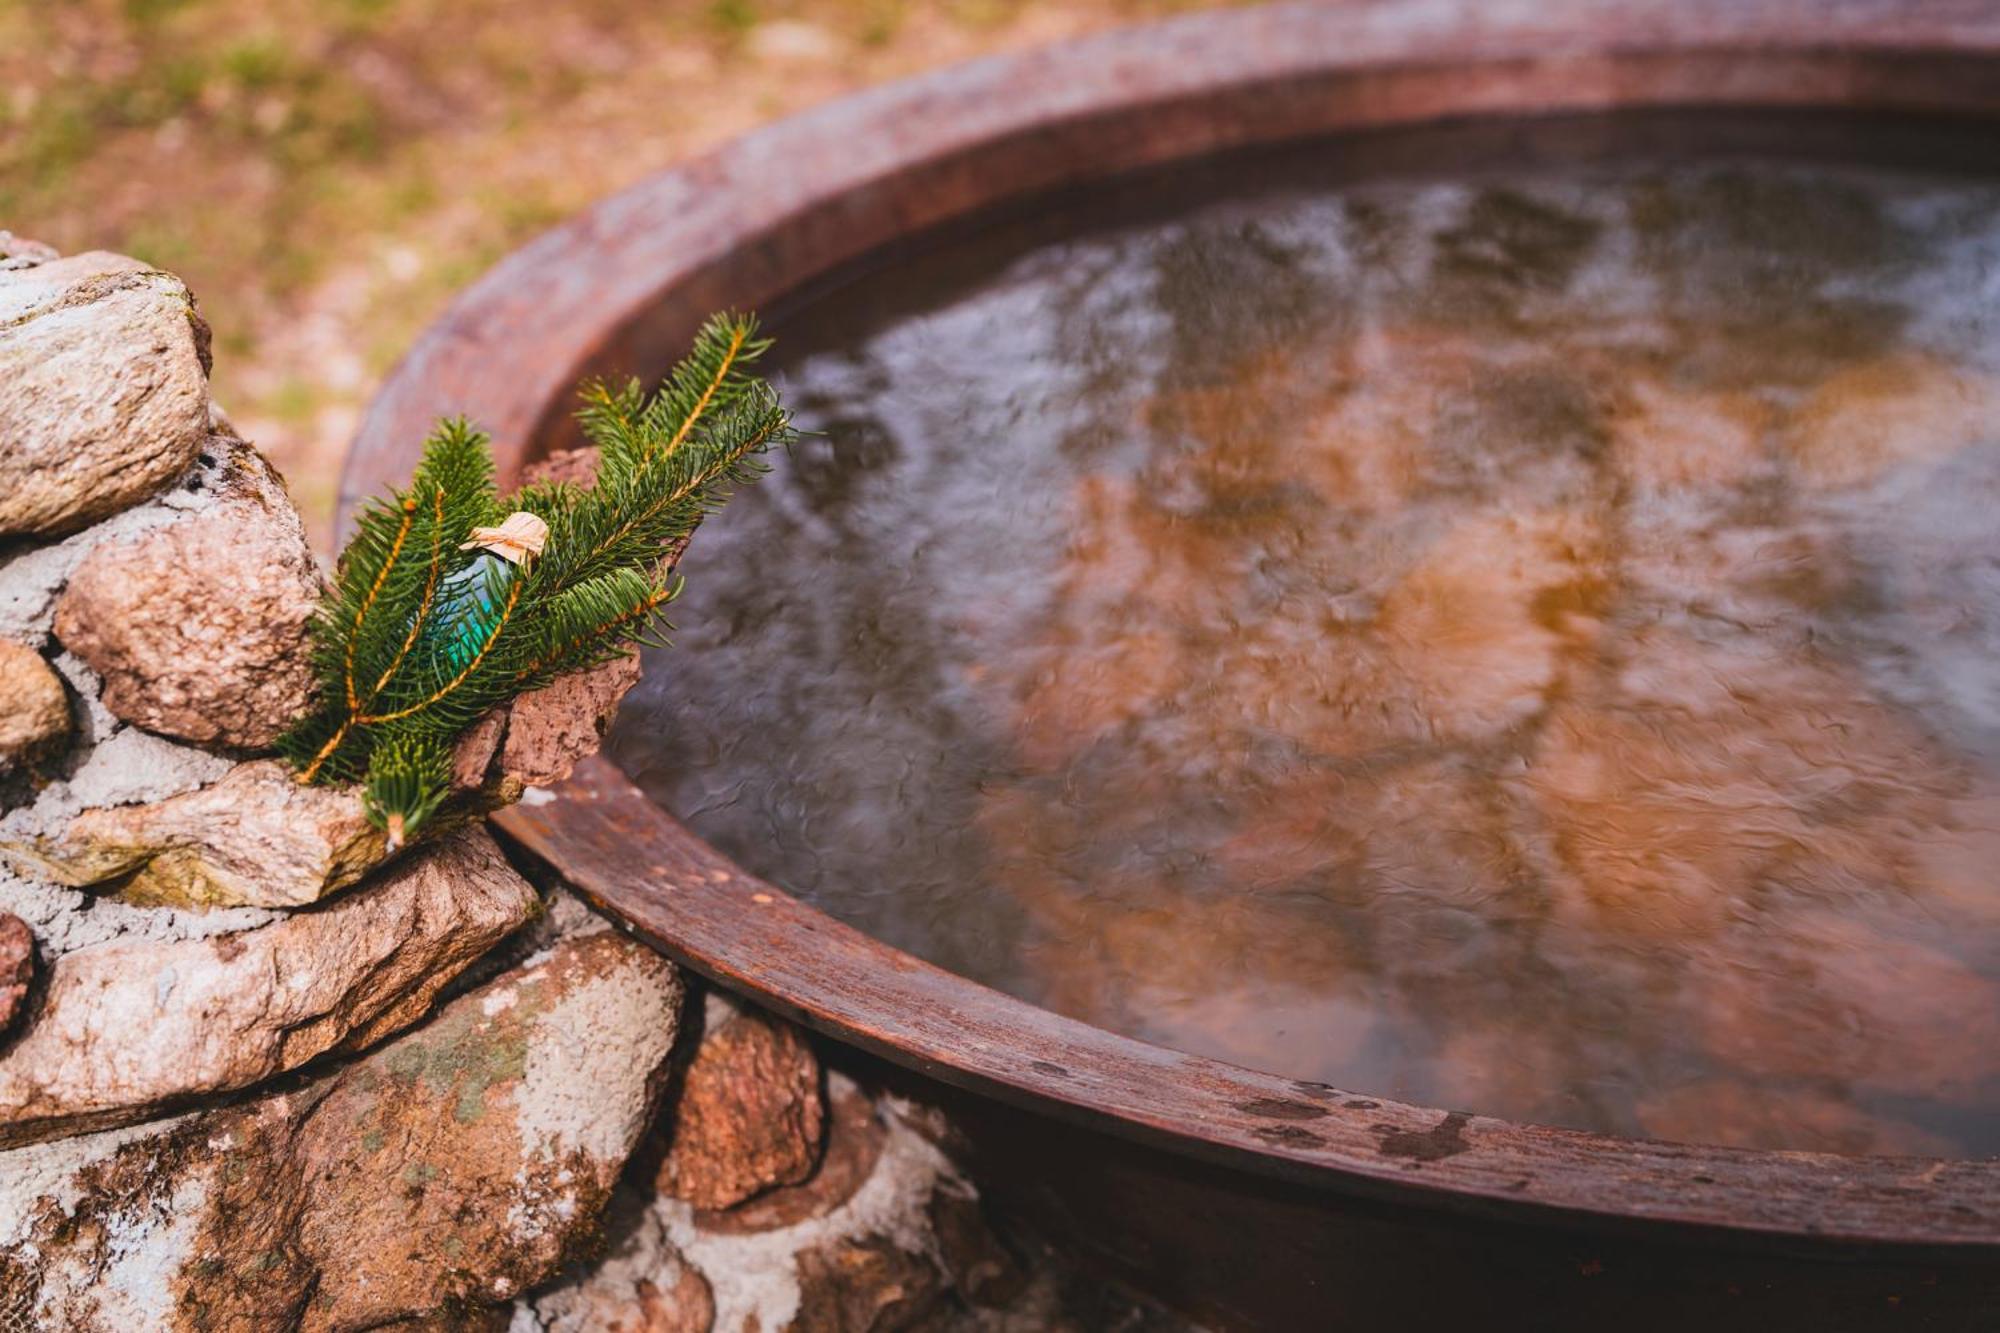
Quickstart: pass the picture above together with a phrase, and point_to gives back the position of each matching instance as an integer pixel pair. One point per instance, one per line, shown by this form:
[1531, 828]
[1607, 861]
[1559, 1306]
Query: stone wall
[255, 1073]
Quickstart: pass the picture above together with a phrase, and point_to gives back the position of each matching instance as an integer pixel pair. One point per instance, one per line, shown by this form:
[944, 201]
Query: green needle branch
[444, 605]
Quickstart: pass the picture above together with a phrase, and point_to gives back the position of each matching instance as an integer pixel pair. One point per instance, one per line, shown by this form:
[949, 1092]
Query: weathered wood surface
[642, 865]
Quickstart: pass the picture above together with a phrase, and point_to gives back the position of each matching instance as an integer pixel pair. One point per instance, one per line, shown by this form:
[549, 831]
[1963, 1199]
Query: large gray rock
[198, 628]
[129, 1029]
[256, 838]
[34, 710]
[455, 1166]
[103, 389]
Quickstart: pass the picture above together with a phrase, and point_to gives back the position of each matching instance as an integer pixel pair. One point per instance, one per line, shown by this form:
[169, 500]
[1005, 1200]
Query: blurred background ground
[326, 173]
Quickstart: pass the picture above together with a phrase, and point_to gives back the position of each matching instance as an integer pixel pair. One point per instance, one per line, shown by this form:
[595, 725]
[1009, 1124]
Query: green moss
[502, 1062]
[460, 1058]
[406, 1062]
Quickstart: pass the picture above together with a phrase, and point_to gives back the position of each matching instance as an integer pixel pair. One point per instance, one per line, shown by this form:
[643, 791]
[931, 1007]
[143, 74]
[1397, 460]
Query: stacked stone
[768, 1156]
[256, 1074]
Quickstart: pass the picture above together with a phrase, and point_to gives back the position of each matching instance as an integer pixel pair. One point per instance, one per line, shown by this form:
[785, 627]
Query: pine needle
[390, 704]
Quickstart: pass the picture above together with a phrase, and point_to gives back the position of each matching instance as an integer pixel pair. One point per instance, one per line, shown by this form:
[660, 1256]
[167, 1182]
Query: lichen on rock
[451, 1168]
[465, 1162]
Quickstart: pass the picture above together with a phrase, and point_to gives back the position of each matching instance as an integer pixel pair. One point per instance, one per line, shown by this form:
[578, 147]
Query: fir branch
[408, 778]
[442, 693]
[594, 621]
[668, 492]
[431, 581]
[419, 637]
[408, 520]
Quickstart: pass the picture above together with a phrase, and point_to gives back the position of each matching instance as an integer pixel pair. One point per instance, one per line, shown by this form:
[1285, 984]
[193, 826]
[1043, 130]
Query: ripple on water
[1526, 646]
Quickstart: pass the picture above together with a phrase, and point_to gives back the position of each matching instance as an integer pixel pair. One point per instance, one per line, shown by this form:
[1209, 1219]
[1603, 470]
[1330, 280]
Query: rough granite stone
[17, 252]
[472, 754]
[550, 729]
[451, 1168]
[755, 1275]
[34, 710]
[538, 739]
[130, 1029]
[17, 969]
[103, 389]
[855, 1138]
[256, 838]
[198, 629]
[749, 1118]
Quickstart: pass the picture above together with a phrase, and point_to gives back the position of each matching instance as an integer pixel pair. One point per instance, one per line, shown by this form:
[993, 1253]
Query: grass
[326, 173]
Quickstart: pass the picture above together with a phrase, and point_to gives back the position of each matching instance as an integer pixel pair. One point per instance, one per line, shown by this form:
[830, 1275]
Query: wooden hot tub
[1245, 1199]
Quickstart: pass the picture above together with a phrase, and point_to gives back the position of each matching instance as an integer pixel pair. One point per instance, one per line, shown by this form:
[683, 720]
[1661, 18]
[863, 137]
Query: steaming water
[1527, 647]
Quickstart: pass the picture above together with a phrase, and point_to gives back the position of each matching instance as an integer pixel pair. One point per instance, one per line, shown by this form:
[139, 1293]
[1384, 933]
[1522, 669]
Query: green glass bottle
[471, 604]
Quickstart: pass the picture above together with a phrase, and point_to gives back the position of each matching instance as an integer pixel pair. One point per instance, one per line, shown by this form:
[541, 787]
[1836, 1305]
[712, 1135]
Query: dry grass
[325, 173]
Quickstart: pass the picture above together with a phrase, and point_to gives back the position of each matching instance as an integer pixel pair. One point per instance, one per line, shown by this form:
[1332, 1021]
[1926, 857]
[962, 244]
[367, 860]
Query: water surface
[1524, 643]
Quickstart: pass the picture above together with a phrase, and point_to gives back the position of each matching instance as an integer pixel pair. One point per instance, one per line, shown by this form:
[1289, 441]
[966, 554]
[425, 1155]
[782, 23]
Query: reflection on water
[1527, 648]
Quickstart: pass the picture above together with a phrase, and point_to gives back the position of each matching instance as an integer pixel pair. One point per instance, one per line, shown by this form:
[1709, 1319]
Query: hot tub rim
[635, 860]
[619, 286]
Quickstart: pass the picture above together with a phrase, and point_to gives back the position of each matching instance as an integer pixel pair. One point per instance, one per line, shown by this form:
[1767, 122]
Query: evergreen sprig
[406, 660]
